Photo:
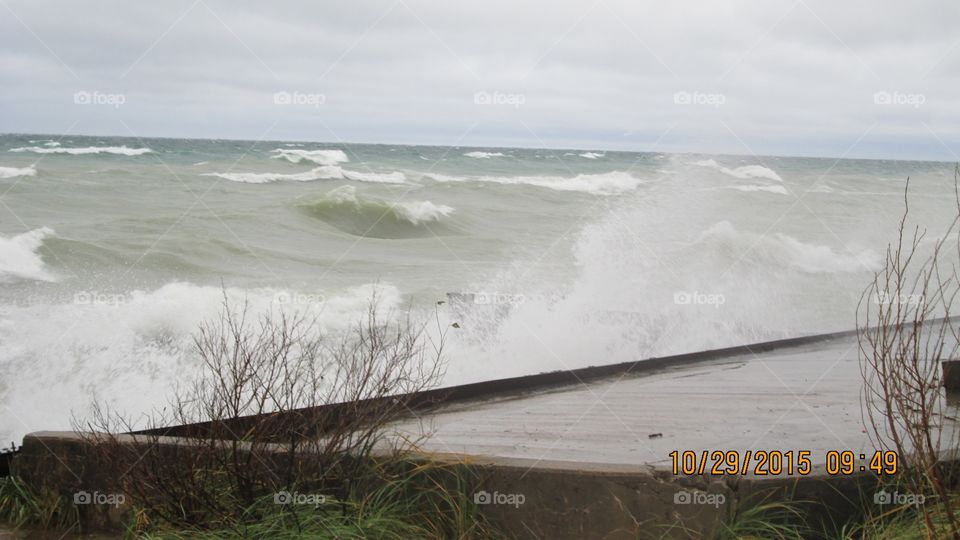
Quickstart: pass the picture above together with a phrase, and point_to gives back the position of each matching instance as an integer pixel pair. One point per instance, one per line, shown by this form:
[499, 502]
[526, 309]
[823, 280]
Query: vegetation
[905, 334]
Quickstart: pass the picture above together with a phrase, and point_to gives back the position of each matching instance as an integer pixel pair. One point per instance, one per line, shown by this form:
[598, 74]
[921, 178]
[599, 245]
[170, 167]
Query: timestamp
[782, 462]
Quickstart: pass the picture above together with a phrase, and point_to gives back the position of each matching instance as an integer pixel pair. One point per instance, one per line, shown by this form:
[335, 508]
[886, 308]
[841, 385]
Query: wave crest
[19, 258]
[343, 209]
[326, 172]
[610, 183]
[13, 172]
[781, 190]
[120, 150]
[320, 157]
[744, 172]
[784, 250]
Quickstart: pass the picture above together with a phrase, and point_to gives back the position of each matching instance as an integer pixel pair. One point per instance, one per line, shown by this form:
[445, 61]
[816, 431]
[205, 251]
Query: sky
[775, 77]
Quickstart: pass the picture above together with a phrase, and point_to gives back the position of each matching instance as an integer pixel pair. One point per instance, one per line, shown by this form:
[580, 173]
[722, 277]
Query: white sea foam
[13, 172]
[591, 155]
[787, 251]
[326, 172]
[320, 157]
[598, 184]
[131, 348]
[120, 150]
[420, 211]
[395, 177]
[19, 258]
[770, 189]
[743, 172]
[484, 155]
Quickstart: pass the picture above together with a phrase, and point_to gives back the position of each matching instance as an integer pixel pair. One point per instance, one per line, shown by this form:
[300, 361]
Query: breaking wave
[13, 172]
[744, 172]
[19, 258]
[120, 150]
[610, 183]
[132, 347]
[785, 250]
[484, 155]
[769, 189]
[320, 157]
[326, 172]
[343, 209]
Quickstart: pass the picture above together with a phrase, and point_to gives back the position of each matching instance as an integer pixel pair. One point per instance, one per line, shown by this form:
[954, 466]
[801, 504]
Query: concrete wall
[559, 499]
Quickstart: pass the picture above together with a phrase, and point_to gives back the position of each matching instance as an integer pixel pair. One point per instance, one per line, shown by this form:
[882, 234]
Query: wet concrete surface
[802, 398]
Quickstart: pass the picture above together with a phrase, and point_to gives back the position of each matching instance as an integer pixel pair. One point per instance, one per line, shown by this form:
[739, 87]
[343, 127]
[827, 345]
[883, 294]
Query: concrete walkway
[801, 398]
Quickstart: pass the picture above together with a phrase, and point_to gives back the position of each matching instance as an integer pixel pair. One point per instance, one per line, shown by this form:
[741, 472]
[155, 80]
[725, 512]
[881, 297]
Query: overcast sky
[787, 77]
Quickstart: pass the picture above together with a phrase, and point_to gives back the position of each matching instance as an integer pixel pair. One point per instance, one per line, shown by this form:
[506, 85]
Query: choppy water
[113, 249]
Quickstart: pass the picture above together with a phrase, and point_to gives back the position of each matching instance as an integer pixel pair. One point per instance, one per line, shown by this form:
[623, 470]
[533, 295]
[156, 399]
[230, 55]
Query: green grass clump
[393, 501]
[22, 507]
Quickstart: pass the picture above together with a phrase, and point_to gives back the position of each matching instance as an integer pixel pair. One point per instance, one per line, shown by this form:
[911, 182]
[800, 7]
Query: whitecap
[121, 150]
[320, 157]
[591, 155]
[743, 172]
[19, 258]
[328, 172]
[785, 250]
[769, 189]
[598, 184]
[13, 172]
[484, 155]
[415, 212]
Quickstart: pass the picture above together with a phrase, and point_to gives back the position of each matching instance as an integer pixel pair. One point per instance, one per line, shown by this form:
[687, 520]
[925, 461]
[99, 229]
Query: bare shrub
[278, 407]
[904, 333]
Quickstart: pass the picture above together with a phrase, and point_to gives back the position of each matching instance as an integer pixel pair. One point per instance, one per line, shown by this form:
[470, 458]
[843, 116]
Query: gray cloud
[782, 77]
